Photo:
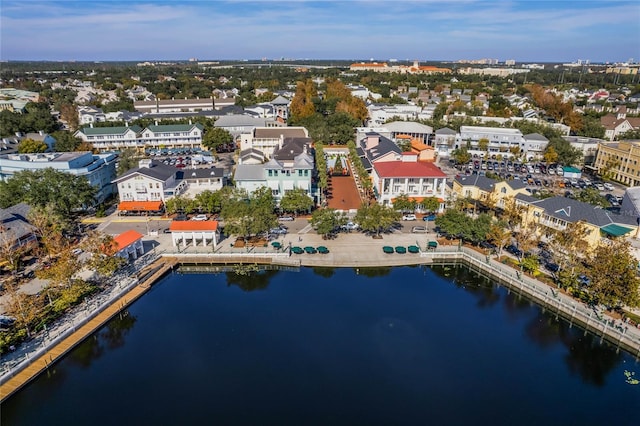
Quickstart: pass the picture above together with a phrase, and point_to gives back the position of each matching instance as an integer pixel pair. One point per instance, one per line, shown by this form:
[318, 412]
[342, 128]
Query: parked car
[410, 216]
[419, 229]
[608, 186]
[286, 218]
[488, 245]
[552, 267]
[200, 217]
[278, 230]
[350, 226]
[429, 218]
[514, 250]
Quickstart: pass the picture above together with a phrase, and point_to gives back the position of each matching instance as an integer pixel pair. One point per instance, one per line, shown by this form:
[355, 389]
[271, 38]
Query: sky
[425, 30]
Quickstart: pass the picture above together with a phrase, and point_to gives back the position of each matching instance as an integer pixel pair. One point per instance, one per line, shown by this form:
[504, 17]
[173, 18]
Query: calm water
[333, 347]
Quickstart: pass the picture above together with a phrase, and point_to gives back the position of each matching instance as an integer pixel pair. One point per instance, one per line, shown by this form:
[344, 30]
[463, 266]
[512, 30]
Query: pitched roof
[482, 182]
[193, 225]
[571, 210]
[202, 173]
[389, 169]
[158, 170]
[174, 127]
[126, 239]
[280, 100]
[536, 137]
[291, 148]
[120, 130]
[408, 127]
[13, 221]
[445, 131]
[249, 172]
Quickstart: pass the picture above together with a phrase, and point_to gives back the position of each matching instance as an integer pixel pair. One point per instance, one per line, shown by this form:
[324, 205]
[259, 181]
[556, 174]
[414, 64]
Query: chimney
[373, 139]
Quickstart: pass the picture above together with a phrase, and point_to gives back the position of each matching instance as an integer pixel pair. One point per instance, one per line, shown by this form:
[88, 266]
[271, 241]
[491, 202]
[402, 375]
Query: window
[270, 173]
[299, 172]
[503, 190]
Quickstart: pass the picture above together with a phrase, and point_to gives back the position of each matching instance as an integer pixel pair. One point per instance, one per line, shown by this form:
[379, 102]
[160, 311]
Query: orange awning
[418, 199]
[150, 206]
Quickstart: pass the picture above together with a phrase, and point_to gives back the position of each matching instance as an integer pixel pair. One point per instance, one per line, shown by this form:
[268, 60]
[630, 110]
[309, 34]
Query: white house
[146, 187]
[267, 139]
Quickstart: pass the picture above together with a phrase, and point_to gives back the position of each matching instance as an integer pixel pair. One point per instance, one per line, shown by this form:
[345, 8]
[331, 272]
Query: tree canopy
[216, 137]
[64, 192]
[296, 201]
[31, 146]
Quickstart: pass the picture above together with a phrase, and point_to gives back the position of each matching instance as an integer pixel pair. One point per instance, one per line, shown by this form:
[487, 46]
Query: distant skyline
[428, 30]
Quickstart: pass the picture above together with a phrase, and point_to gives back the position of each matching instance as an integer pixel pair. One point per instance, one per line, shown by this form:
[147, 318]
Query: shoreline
[345, 254]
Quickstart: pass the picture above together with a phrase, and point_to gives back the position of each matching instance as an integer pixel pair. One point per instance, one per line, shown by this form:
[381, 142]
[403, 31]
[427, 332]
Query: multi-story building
[112, 138]
[99, 169]
[491, 192]
[619, 161]
[500, 139]
[184, 136]
[445, 141]
[268, 139]
[146, 187]
[291, 167]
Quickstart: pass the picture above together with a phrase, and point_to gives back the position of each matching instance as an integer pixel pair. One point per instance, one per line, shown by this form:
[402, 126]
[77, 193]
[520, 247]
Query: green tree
[102, 248]
[592, 128]
[296, 201]
[431, 204]
[326, 221]
[48, 187]
[461, 155]
[65, 141]
[483, 144]
[592, 196]
[375, 218]
[30, 146]
[612, 270]
[454, 222]
[216, 137]
[567, 154]
[403, 203]
[128, 159]
[246, 215]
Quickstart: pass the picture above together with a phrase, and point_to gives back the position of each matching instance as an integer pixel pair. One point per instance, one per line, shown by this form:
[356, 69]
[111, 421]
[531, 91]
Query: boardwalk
[78, 333]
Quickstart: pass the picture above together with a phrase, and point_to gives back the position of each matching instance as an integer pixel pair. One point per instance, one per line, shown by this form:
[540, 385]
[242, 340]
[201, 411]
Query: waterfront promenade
[354, 250]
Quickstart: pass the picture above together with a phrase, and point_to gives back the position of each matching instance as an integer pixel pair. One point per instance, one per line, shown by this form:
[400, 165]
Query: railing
[615, 331]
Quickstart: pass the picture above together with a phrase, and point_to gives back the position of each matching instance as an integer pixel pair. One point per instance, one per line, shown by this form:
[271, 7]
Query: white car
[608, 186]
[200, 217]
[409, 217]
[350, 226]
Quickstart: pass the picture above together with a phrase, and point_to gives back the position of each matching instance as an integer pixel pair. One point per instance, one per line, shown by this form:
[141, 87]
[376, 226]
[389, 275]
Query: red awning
[149, 206]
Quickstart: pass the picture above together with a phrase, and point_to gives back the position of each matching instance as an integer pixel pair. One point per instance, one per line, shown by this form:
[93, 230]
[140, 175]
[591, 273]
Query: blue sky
[535, 30]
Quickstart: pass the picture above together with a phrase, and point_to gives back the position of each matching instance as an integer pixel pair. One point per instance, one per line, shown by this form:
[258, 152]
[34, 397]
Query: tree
[592, 196]
[179, 204]
[499, 234]
[403, 203]
[62, 269]
[48, 187]
[431, 204]
[461, 155]
[567, 154]
[569, 246]
[302, 105]
[246, 215]
[296, 201]
[454, 222]
[127, 160]
[483, 144]
[592, 128]
[30, 146]
[102, 248]
[612, 270]
[375, 218]
[65, 141]
[550, 155]
[216, 137]
[326, 221]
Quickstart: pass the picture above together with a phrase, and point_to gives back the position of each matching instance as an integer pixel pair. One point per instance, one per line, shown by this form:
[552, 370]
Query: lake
[388, 346]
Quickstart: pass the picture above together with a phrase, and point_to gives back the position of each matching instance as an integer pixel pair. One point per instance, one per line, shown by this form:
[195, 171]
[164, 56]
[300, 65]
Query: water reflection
[112, 336]
[251, 280]
[586, 356]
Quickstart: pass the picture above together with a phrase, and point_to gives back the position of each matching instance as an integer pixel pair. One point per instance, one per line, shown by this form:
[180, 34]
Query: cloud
[336, 29]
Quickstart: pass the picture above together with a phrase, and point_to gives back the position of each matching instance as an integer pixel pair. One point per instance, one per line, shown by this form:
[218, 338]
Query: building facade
[619, 161]
[99, 170]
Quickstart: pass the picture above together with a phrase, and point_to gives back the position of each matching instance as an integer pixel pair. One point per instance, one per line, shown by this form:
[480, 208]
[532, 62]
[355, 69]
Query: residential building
[291, 166]
[181, 136]
[533, 145]
[413, 129]
[556, 213]
[617, 123]
[15, 229]
[206, 179]
[98, 169]
[160, 106]
[147, 187]
[237, 124]
[402, 69]
[445, 140]
[500, 139]
[490, 192]
[619, 161]
[111, 138]
[588, 147]
[407, 176]
[267, 139]
[185, 136]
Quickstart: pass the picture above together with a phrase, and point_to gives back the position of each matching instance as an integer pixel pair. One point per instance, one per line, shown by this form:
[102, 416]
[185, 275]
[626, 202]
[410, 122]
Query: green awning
[615, 230]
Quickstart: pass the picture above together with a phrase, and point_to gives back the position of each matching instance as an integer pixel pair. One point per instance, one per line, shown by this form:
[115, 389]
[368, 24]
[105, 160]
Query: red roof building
[408, 176]
[128, 244]
[195, 233]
